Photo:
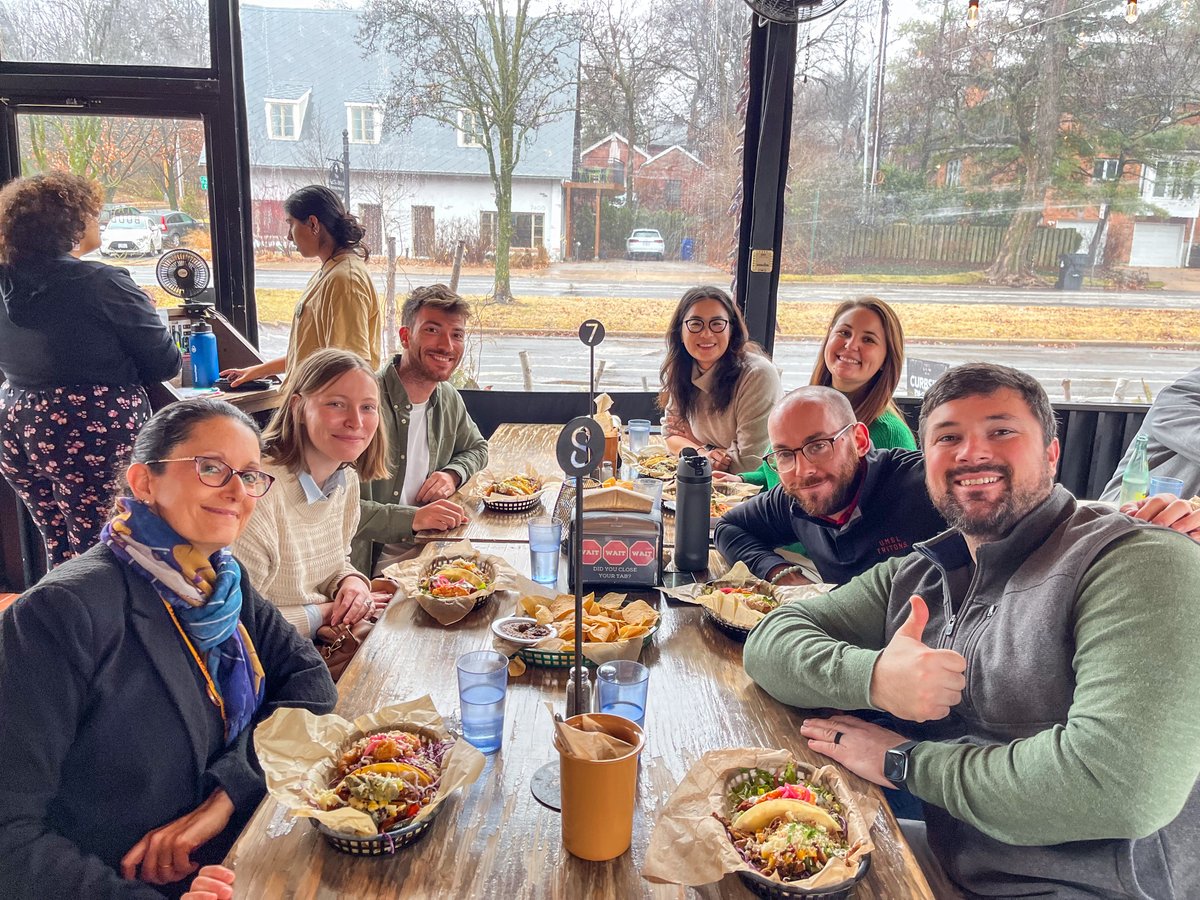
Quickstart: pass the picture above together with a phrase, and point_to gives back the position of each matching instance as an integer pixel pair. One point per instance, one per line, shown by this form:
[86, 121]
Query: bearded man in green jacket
[1039, 660]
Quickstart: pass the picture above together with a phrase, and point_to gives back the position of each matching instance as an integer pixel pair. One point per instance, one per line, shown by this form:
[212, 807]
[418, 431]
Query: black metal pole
[346, 168]
[591, 379]
[578, 567]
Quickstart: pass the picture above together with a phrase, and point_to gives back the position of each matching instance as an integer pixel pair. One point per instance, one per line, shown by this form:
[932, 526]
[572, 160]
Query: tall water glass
[482, 685]
[1161, 484]
[621, 688]
[639, 434]
[545, 534]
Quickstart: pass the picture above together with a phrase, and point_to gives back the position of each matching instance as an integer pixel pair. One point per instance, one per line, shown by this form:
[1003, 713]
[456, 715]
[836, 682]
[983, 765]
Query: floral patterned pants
[62, 449]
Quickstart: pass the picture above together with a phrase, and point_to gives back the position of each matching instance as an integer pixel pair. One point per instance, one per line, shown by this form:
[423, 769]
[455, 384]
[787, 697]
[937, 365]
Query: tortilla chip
[639, 612]
[543, 615]
[516, 667]
[612, 600]
[563, 606]
[530, 605]
[567, 631]
[601, 633]
[629, 632]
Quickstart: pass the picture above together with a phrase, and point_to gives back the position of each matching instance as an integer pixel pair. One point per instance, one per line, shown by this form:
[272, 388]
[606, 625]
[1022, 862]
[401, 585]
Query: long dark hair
[878, 397]
[676, 371]
[317, 200]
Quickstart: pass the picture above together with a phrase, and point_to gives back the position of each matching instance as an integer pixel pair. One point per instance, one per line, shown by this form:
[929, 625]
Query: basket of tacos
[657, 462]
[389, 776]
[451, 578]
[514, 493]
[789, 828]
[736, 608]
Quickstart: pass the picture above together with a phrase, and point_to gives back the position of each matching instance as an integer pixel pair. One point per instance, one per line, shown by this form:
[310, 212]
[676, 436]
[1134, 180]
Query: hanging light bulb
[973, 12]
[1131, 11]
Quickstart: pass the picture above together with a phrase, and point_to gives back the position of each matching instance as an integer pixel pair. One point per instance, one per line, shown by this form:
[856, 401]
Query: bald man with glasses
[850, 505]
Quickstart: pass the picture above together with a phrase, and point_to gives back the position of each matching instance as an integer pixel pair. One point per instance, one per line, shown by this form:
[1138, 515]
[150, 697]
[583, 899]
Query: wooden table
[495, 840]
[513, 448]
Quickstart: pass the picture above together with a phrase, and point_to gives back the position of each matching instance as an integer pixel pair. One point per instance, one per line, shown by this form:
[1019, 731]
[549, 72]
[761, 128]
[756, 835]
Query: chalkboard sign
[580, 446]
[922, 373]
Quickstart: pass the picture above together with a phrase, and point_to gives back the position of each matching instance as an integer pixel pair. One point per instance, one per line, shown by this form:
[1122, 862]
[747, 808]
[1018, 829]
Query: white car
[645, 243]
[131, 236]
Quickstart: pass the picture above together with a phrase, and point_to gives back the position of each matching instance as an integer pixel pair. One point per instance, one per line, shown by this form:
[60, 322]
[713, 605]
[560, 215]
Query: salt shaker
[606, 470]
[579, 673]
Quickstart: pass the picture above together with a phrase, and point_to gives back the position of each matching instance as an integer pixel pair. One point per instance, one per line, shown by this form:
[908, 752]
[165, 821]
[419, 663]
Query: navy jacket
[107, 730]
[894, 512]
[71, 321]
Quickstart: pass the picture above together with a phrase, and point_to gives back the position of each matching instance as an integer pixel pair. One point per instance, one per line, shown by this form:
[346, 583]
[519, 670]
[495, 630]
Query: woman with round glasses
[862, 356]
[132, 677]
[718, 386]
[322, 441]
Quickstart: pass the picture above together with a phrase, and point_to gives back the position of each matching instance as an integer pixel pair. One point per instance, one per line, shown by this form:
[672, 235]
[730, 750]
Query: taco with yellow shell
[784, 826]
[458, 577]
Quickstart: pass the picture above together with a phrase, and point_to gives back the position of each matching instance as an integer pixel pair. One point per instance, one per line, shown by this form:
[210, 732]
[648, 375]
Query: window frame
[282, 106]
[376, 122]
[469, 139]
[215, 95]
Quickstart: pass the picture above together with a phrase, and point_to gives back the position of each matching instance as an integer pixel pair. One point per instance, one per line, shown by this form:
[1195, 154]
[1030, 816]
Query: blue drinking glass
[482, 685]
[621, 689]
[545, 534]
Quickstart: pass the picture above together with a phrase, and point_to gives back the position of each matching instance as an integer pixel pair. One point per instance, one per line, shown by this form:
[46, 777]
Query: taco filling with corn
[389, 776]
[784, 826]
[456, 578]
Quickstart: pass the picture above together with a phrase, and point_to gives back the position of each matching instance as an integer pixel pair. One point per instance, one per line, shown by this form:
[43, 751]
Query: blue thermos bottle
[203, 348]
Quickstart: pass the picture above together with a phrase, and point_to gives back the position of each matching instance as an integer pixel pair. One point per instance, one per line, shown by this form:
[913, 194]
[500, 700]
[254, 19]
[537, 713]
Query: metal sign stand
[591, 332]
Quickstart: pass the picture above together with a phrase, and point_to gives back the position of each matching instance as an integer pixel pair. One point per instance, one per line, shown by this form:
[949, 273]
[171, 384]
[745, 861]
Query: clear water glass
[639, 434]
[482, 686]
[621, 689]
[545, 535]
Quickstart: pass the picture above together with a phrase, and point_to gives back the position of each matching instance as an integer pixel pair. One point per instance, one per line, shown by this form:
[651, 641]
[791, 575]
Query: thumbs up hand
[913, 681]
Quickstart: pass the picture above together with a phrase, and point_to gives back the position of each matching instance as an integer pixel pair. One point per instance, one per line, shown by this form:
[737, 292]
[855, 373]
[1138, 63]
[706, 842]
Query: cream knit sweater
[297, 552]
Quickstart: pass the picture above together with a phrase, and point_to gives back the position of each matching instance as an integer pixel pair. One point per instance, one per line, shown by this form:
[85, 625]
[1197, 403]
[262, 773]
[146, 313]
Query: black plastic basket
[762, 886]
[734, 631]
[384, 844]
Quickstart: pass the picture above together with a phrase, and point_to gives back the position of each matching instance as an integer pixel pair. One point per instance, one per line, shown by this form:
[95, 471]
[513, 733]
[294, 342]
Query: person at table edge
[850, 506]
[435, 446]
[1039, 658]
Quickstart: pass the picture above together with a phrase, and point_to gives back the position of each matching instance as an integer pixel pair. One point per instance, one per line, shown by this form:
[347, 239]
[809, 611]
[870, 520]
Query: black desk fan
[185, 274]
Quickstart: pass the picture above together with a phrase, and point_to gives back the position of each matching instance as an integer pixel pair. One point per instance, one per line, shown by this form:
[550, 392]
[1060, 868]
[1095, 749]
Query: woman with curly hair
[77, 341]
[718, 386]
[339, 308]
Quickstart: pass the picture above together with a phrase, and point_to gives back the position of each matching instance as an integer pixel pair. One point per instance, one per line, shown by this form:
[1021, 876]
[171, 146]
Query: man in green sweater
[1039, 660]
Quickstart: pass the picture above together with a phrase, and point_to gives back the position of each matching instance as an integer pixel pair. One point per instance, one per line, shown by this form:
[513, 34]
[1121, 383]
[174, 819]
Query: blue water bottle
[203, 349]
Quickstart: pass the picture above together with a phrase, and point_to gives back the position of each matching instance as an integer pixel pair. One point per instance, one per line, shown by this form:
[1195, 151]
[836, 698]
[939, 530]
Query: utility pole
[879, 74]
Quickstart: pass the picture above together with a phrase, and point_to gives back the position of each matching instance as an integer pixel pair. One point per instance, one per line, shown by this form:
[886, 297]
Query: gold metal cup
[598, 795]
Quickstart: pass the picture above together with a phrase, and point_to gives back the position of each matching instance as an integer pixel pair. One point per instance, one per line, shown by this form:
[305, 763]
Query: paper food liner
[691, 847]
[448, 610]
[475, 488]
[609, 423]
[599, 653]
[656, 447]
[588, 740]
[731, 492]
[298, 752]
[739, 576]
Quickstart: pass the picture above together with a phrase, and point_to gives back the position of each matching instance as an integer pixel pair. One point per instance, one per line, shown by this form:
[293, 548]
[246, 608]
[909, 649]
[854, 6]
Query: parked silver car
[645, 243]
[131, 236]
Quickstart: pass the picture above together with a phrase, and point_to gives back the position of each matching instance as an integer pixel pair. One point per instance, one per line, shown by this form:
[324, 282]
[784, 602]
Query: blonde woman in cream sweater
[322, 440]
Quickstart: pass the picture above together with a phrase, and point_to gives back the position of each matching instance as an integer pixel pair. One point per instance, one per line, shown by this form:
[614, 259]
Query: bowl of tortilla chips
[609, 624]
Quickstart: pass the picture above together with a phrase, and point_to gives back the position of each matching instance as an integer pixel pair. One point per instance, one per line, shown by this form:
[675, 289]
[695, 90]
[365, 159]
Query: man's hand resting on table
[915, 682]
[440, 515]
[1169, 511]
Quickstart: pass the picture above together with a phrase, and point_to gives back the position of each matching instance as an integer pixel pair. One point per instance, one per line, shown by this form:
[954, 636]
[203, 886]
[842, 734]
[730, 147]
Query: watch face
[895, 765]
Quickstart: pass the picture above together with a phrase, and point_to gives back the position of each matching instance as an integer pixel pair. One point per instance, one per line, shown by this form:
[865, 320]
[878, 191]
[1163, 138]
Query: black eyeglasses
[216, 474]
[695, 326]
[814, 451]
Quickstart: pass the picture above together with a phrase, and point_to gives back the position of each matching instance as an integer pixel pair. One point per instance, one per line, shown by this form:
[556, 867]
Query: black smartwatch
[895, 763]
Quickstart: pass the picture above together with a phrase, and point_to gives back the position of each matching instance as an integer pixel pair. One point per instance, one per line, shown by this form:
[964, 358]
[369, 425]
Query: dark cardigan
[107, 732]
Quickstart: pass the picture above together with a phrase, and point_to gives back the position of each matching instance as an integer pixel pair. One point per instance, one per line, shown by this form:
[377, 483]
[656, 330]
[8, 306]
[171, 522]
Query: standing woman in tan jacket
[718, 386]
[339, 308]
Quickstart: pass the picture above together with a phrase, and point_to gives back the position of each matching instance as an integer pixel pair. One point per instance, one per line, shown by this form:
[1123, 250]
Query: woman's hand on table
[727, 477]
[237, 376]
[1169, 511]
[352, 602]
[438, 486]
[719, 458]
[163, 856]
[849, 741]
[213, 883]
[382, 592]
[675, 426]
[440, 515]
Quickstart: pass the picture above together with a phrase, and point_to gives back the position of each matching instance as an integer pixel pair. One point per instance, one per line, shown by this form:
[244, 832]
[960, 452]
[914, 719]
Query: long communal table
[495, 839]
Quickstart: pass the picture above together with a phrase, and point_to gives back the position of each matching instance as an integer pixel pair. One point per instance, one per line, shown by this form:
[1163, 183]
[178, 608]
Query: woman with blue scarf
[131, 678]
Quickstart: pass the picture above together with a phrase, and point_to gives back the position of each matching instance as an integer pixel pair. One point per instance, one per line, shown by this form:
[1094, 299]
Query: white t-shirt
[418, 454]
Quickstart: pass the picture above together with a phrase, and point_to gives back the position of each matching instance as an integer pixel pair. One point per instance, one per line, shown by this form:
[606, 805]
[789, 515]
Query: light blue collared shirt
[313, 493]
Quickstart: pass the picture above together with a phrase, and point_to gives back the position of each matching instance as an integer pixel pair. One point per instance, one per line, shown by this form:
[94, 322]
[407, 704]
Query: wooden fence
[976, 244]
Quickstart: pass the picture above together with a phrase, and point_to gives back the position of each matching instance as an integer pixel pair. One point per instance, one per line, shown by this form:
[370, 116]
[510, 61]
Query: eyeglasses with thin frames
[784, 460]
[215, 473]
[697, 325]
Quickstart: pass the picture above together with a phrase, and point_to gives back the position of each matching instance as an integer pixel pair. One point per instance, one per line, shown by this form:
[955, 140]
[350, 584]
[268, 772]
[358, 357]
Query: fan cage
[169, 262]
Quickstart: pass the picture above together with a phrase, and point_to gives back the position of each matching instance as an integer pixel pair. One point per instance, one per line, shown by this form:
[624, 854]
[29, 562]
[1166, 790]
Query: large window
[363, 123]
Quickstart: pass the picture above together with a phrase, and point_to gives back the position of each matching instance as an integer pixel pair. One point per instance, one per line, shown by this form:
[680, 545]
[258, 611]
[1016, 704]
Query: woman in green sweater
[862, 356]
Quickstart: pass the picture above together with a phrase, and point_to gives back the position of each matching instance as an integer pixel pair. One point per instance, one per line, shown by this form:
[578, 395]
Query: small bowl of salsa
[523, 630]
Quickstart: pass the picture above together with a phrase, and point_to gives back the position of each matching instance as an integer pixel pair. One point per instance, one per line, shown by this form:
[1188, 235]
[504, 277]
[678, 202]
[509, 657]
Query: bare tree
[492, 66]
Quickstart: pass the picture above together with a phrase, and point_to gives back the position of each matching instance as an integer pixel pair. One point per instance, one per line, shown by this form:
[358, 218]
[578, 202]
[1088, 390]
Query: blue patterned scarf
[206, 596]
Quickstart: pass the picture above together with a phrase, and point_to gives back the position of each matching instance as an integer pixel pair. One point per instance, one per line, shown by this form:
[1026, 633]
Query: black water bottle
[693, 499]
